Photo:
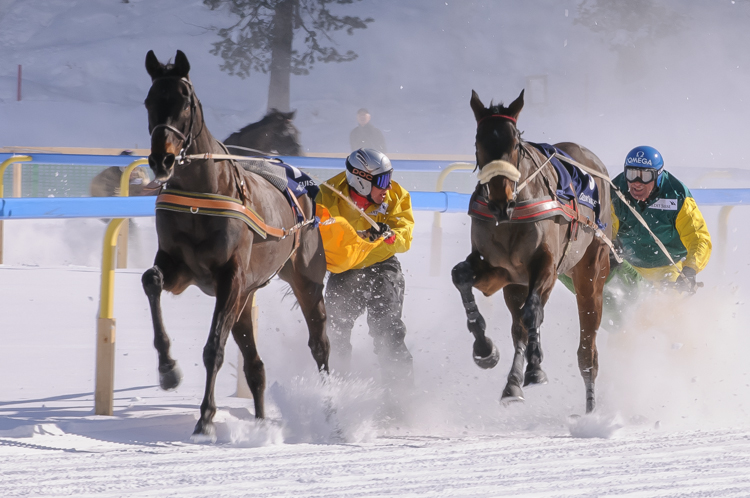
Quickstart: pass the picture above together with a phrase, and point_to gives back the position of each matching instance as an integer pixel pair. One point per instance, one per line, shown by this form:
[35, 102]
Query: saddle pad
[572, 182]
[285, 177]
[275, 174]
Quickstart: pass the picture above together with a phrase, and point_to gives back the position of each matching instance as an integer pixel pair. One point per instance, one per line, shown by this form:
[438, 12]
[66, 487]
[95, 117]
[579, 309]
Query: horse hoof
[537, 377]
[511, 400]
[204, 434]
[489, 361]
[171, 378]
[511, 394]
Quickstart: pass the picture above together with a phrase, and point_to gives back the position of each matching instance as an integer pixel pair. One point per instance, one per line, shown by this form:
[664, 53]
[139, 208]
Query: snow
[673, 390]
[669, 422]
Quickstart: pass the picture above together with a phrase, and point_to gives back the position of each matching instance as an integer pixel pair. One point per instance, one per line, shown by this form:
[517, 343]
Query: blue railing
[132, 207]
[82, 207]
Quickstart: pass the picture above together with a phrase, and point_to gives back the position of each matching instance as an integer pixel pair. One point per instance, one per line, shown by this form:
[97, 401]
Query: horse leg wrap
[534, 373]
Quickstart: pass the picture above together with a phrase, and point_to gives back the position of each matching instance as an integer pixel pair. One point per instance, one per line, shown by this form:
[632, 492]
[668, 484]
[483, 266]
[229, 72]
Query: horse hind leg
[588, 278]
[309, 294]
[153, 281]
[474, 272]
[254, 369]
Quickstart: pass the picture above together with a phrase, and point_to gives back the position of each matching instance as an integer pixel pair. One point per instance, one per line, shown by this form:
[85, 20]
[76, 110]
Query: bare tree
[261, 40]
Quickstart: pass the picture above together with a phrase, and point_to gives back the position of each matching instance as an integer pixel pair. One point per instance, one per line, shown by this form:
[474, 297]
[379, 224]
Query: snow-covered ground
[673, 388]
[673, 391]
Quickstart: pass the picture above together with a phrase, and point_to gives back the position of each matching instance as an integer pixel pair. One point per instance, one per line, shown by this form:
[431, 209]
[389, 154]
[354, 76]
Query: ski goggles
[642, 175]
[382, 180]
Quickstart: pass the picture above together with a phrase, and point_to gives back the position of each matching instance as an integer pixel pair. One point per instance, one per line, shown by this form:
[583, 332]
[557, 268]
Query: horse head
[286, 137]
[173, 113]
[498, 149]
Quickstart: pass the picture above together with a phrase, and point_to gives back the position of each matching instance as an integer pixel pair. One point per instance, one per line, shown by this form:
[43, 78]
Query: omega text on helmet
[640, 160]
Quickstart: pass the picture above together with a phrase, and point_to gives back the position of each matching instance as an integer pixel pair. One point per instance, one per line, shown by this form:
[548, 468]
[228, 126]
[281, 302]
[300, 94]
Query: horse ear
[181, 64]
[290, 115]
[153, 66]
[514, 109]
[477, 106]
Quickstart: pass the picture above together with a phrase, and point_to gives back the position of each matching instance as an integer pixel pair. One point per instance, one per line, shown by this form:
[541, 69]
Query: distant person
[366, 136]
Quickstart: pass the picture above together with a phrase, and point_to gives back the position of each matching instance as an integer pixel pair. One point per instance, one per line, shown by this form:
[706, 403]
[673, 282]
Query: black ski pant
[379, 290]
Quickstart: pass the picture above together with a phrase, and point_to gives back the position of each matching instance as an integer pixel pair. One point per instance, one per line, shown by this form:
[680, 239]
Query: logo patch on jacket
[381, 210]
[665, 205]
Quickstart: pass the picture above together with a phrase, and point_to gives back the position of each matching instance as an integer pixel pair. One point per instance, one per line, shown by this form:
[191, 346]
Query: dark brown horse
[274, 134]
[523, 259]
[221, 255]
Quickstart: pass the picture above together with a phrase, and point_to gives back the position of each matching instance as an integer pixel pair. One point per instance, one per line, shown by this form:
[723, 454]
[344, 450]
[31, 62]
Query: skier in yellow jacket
[368, 276]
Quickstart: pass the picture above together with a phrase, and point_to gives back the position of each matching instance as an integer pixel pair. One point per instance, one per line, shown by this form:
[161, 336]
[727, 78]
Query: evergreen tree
[631, 28]
[261, 40]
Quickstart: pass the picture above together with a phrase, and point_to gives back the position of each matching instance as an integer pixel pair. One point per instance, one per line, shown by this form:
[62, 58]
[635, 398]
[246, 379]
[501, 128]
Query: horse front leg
[588, 278]
[526, 305]
[475, 272]
[162, 276]
[230, 281]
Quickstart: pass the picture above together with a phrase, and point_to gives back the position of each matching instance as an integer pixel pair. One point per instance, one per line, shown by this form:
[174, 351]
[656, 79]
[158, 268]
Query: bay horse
[274, 134]
[523, 259]
[222, 255]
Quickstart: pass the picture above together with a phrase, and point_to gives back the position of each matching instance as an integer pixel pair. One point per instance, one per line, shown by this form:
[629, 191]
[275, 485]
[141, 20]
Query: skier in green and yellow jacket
[670, 212]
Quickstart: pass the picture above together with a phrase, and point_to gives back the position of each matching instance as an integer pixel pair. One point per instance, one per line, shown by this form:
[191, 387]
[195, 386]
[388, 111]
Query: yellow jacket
[395, 211]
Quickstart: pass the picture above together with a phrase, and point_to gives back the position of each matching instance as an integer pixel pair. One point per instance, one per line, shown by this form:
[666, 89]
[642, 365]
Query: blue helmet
[645, 157]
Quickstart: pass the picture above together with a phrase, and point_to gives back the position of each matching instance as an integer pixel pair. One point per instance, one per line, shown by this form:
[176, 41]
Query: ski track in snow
[710, 463]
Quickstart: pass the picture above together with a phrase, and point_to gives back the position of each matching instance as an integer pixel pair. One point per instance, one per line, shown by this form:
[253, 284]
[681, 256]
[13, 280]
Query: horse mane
[497, 108]
[171, 70]
[263, 122]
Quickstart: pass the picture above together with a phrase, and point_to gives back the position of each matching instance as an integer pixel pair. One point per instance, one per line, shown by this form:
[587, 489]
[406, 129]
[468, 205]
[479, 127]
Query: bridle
[519, 146]
[187, 139]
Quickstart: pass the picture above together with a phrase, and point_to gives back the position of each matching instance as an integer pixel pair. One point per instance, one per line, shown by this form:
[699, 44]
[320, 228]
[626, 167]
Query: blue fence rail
[132, 207]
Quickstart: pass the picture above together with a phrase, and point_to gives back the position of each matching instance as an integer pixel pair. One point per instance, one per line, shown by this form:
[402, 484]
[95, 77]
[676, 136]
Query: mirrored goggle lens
[640, 175]
[383, 180]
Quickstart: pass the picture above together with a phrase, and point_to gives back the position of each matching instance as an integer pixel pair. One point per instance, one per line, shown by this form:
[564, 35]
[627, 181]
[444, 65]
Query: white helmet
[368, 167]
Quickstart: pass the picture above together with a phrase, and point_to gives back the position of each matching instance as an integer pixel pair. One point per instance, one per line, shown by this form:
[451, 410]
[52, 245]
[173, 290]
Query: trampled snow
[673, 389]
[670, 421]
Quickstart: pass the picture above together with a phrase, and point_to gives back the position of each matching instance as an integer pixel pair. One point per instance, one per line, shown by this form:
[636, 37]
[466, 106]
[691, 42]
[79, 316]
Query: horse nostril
[168, 161]
[151, 162]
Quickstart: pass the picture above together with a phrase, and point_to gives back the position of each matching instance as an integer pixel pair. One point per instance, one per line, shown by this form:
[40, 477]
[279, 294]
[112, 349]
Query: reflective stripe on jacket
[395, 211]
[672, 215]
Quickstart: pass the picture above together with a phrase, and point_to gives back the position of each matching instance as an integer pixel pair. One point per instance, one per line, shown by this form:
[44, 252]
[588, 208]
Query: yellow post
[122, 244]
[105, 326]
[436, 252]
[243, 390]
[3, 166]
[17, 180]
